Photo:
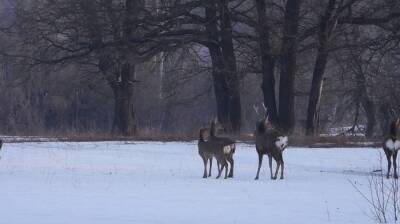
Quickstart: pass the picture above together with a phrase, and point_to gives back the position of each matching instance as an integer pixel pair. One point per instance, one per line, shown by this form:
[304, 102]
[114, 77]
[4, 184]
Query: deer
[227, 143]
[209, 149]
[270, 142]
[206, 152]
[391, 145]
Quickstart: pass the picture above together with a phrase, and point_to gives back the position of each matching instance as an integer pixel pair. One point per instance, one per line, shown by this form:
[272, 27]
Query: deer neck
[201, 136]
[393, 129]
[261, 128]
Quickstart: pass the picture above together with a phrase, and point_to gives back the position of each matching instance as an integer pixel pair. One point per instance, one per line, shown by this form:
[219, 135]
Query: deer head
[264, 122]
[215, 127]
[394, 127]
[203, 134]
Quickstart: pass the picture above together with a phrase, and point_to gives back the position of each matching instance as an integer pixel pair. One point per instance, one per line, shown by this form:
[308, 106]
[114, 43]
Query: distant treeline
[169, 66]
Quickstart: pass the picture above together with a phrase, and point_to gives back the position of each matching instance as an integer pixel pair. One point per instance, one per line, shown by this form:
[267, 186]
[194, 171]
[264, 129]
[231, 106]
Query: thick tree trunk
[369, 108]
[124, 120]
[366, 102]
[288, 65]
[219, 79]
[314, 101]
[267, 64]
[225, 79]
[234, 106]
[327, 25]
[220, 86]
[384, 118]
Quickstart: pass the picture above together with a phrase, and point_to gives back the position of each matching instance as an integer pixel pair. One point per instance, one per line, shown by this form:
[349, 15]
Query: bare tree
[288, 65]
[114, 36]
[336, 13]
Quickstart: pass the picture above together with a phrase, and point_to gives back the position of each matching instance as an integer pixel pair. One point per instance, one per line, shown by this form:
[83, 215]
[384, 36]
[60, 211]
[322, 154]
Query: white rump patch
[392, 145]
[228, 149]
[282, 142]
[389, 144]
[396, 145]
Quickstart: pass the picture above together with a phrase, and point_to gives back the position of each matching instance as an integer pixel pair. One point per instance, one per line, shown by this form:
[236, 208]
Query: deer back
[270, 140]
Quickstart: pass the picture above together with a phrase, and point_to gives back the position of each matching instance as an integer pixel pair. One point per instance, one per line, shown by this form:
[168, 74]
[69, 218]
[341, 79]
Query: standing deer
[205, 151]
[271, 142]
[209, 149]
[391, 145]
[228, 144]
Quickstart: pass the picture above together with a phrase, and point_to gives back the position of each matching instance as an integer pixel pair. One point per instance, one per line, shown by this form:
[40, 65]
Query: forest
[199, 111]
[156, 67]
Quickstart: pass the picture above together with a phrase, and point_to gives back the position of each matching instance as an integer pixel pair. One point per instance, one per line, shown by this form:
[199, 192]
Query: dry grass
[156, 135]
[334, 141]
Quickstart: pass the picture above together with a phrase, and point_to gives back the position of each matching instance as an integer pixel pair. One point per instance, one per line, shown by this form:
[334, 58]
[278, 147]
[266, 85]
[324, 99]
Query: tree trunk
[369, 108]
[220, 87]
[228, 54]
[316, 92]
[384, 115]
[124, 120]
[363, 96]
[288, 66]
[327, 25]
[267, 64]
[219, 79]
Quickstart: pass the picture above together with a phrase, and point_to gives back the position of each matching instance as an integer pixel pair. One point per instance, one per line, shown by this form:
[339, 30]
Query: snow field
[150, 182]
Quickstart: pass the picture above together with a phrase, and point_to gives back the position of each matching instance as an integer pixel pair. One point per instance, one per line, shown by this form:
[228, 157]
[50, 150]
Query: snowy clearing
[126, 182]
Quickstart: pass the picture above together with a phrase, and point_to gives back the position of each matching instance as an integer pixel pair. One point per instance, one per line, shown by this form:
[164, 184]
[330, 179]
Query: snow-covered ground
[126, 182]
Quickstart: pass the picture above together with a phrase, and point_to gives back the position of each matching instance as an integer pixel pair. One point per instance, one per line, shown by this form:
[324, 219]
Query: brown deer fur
[270, 142]
[209, 149]
[226, 142]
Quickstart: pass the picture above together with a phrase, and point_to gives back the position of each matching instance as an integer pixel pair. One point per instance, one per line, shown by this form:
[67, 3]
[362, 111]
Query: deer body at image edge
[391, 145]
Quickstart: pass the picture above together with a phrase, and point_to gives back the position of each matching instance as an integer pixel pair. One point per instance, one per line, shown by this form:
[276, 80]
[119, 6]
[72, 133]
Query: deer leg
[270, 165]
[395, 164]
[278, 164]
[231, 161]
[281, 163]
[219, 169]
[209, 171]
[260, 158]
[205, 167]
[226, 169]
[389, 165]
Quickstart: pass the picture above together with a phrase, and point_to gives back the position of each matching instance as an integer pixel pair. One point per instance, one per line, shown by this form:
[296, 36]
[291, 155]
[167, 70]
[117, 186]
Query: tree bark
[124, 119]
[327, 25]
[224, 73]
[232, 79]
[364, 98]
[316, 92]
[288, 66]
[369, 108]
[219, 79]
[220, 87]
[122, 83]
[267, 64]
